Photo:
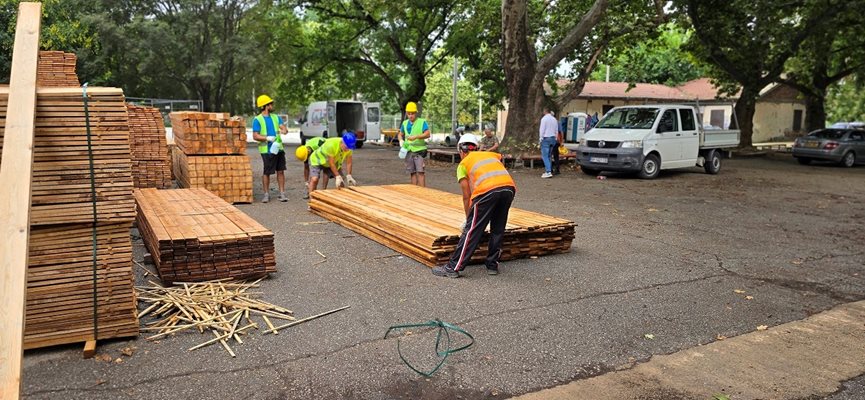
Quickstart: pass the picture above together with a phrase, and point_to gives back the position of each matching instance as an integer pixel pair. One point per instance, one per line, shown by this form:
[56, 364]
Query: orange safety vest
[486, 172]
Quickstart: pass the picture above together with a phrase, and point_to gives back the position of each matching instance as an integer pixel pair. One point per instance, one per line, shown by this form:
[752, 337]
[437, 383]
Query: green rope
[441, 351]
[93, 195]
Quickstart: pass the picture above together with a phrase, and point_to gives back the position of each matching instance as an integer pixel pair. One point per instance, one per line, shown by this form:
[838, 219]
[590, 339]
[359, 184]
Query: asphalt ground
[662, 258]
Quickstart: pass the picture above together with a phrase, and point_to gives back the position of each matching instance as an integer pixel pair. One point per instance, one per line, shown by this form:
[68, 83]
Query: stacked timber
[194, 235]
[56, 69]
[150, 158]
[429, 231]
[211, 153]
[72, 294]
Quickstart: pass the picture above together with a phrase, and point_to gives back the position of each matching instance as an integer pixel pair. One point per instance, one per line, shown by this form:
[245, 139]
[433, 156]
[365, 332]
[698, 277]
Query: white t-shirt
[549, 126]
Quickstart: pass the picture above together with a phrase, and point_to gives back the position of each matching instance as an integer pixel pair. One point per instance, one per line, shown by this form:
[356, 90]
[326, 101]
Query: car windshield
[629, 118]
[827, 134]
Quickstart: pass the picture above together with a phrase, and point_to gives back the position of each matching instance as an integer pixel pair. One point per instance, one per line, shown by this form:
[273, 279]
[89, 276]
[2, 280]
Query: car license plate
[812, 144]
[598, 160]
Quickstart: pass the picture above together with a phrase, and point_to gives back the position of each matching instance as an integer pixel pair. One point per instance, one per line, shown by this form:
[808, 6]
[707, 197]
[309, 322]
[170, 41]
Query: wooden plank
[15, 197]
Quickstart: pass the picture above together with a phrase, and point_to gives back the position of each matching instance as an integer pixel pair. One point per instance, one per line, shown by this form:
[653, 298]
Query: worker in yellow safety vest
[302, 153]
[267, 129]
[413, 134]
[488, 191]
[327, 161]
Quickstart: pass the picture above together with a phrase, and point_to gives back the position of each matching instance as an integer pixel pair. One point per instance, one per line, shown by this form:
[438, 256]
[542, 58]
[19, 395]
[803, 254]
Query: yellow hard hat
[411, 107]
[263, 100]
[302, 153]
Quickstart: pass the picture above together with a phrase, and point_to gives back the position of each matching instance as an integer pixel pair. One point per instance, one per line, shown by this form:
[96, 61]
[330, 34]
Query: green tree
[835, 51]
[746, 43]
[437, 103]
[661, 60]
[845, 100]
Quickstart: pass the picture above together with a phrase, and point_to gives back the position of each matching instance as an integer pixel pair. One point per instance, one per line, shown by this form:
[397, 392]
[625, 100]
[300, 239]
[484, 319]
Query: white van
[647, 139]
[334, 117]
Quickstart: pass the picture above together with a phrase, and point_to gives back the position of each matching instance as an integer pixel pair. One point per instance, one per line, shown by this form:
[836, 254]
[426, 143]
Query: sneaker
[443, 270]
[547, 175]
[282, 197]
[306, 193]
[491, 271]
[266, 198]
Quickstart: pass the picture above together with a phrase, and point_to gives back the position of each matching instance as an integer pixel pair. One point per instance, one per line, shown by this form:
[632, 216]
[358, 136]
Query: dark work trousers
[490, 208]
[554, 152]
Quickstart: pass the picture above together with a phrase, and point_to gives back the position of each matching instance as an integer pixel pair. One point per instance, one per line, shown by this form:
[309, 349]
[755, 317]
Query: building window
[797, 120]
[716, 118]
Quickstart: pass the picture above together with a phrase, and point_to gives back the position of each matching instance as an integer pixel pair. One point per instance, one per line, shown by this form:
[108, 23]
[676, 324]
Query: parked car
[843, 146]
[848, 125]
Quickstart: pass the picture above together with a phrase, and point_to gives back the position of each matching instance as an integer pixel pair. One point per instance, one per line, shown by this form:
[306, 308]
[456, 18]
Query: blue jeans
[546, 144]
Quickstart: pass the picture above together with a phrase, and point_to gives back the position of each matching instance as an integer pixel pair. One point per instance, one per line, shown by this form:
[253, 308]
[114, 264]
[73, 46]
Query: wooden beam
[15, 196]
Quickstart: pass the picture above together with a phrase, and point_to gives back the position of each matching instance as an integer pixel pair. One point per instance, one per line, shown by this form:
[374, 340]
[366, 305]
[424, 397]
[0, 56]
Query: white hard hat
[468, 138]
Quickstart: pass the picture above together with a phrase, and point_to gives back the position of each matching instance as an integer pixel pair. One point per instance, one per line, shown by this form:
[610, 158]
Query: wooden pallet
[150, 158]
[60, 285]
[61, 167]
[429, 230]
[198, 133]
[56, 69]
[194, 235]
[229, 177]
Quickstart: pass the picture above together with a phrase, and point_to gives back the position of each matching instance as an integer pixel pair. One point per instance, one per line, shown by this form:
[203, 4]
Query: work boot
[282, 197]
[492, 271]
[443, 270]
[266, 198]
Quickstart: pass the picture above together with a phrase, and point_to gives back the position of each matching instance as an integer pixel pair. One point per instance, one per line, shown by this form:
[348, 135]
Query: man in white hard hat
[488, 191]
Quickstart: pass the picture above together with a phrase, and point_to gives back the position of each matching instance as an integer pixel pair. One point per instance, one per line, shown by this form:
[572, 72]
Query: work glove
[271, 138]
[339, 182]
[350, 180]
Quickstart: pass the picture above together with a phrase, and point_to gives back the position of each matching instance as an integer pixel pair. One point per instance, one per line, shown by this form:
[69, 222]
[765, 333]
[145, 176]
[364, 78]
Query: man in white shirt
[548, 136]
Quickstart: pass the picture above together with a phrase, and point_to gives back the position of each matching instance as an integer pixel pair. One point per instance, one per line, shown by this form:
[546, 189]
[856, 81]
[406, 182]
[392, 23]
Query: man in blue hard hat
[266, 130]
[326, 161]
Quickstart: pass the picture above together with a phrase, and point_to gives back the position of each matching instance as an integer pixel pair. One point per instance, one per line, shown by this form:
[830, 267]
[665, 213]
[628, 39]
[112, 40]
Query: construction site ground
[663, 273]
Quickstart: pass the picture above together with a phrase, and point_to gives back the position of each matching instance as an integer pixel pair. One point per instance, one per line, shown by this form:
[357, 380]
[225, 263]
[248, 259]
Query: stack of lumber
[211, 154]
[194, 235]
[63, 284]
[429, 230]
[172, 148]
[150, 158]
[56, 69]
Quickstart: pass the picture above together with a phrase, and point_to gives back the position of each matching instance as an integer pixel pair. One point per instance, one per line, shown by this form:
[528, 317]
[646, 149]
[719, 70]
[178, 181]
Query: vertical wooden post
[15, 175]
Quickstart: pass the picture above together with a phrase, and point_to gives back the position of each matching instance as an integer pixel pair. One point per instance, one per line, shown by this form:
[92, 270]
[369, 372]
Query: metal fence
[167, 106]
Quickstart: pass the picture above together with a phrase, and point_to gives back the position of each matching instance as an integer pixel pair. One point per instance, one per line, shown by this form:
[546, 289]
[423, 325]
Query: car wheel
[803, 160]
[358, 144]
[713, 162]
[590, 172]
[849, 159]
[302, 139]
[448, 140]
[651, 167]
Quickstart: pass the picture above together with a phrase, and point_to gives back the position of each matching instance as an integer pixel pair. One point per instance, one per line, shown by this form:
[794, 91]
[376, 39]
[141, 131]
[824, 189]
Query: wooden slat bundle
[150, 158]
[61, 169]
[60, 287]
[198, 133]
[229, 177]
[194, 235]
[429, 230]
[56, 69]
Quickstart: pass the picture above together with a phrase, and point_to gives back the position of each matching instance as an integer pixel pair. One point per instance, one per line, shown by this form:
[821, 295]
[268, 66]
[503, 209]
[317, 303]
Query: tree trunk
[525, 109]
[745, 109]
[815, 113]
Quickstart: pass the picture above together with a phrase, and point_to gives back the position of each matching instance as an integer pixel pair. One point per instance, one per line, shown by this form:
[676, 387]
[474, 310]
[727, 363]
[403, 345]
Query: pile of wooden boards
[212, 154]
[150, 158]
[56, 69]
[428, 231]
[193, 235]
[72, 294]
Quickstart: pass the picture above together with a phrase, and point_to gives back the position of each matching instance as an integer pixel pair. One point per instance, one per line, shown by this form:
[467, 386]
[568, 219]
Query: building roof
[697, 89]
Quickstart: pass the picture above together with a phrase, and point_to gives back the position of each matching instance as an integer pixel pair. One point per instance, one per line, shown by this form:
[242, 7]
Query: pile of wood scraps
[225, 309]
[193, 235]
[150, 158]
[72, 295]
[56, 69]
[428, 231]
[211, 153]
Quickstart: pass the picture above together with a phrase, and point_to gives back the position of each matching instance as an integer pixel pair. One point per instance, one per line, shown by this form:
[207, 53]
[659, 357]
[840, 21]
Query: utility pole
[454, 100]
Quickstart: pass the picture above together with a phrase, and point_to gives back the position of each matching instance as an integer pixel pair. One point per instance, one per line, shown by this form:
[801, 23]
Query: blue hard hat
[349, 139]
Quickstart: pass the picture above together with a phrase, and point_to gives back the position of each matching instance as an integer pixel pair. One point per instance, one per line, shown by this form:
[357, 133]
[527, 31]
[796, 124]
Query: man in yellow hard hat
[302, 153]
[412, 135]
[266, 130]
[332, 158]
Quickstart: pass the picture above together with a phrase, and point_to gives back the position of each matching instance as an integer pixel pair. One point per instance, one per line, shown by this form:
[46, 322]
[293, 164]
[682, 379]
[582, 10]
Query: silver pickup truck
[646, 139]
